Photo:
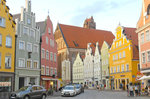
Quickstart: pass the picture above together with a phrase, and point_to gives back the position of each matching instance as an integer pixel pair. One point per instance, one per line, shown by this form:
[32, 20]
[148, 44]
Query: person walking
[136, 89]
[131, 90]
[128, 90]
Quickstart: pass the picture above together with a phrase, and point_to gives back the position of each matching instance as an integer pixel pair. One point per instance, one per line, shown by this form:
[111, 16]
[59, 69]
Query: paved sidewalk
[55, 94]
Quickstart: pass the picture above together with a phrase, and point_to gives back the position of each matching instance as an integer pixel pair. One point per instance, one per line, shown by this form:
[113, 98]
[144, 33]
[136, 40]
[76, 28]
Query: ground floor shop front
[6, 83]
[26, 77]
[120, 82]
[49, 82]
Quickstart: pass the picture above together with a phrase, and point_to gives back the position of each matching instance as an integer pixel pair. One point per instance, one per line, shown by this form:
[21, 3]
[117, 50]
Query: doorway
[21, 82]
[123, 83]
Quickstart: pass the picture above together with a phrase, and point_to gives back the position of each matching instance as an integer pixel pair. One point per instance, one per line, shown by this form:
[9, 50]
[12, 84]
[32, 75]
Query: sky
[106, 13]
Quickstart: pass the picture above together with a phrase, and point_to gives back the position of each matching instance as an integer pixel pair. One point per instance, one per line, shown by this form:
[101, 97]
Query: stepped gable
[78, 37]
[132, 35]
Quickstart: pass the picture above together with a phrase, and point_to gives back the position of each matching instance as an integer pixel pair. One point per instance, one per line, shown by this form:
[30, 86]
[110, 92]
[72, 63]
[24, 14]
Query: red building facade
[48, 55]
[143, 30]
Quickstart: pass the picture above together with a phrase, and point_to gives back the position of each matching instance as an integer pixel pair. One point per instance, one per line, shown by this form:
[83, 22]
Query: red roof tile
[78, 37]
[132, 35]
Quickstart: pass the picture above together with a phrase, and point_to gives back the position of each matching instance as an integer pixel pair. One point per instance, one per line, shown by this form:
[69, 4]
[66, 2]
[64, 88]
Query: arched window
[148, 10]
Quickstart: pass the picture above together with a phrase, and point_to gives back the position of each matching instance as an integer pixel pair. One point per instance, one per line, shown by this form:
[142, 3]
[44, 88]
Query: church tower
[28, 5]
[89, 23]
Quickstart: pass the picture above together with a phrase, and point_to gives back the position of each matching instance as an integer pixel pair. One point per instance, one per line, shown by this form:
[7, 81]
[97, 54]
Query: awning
[144, 77]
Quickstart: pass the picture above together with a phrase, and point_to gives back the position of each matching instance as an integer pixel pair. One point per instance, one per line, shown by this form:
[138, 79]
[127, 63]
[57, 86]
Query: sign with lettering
[122, 75]
[119, 62]
[5, 84]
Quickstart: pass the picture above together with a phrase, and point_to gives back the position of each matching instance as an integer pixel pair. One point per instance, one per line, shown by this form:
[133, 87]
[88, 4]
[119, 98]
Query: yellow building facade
[7, 48]
[123, 58]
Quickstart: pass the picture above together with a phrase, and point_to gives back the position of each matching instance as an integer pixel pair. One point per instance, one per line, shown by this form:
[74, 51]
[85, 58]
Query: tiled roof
[17, 16]
[132, 35]
[78, 37]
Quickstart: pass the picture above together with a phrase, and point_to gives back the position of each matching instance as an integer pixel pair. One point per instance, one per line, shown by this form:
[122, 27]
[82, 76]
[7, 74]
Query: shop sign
[139, 75]
[122, 75]
[5, 84]
[133, 76]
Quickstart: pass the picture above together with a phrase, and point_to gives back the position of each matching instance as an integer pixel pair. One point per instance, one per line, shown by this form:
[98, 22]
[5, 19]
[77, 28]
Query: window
[143, 58]
[2, 22]
[7, 61]
[117, 44]
[114, 69]
[51, 43]
[113, 57]
[142, 38]
[0, 39]
[122, 68]
[46, 40]
[49, 30]
[29, 47]
[0, 60]
[29, 65]
[43, 70]
[29, 21]
[25, 30]
[47, 70]
[55, 72]
[32, 33]
[127, 67]
[120, 56]
[21, 45]
[43, 53]
[47, 55]
[51, 56]
[116, 56]
[36, 48]
[111, 69]
[118, 68]
[148, 56]
[51, 71]
[21, 63]
[35, 65]
[55, 57]
[147, 35]
[124, 54]
[120, 43]
[8, 41]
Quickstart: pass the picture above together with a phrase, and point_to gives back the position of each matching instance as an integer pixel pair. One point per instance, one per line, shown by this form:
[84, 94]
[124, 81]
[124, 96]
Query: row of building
[93, 57]
[28, 51]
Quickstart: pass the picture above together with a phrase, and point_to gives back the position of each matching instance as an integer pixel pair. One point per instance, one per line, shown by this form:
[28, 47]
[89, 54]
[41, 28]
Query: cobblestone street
[94, 94]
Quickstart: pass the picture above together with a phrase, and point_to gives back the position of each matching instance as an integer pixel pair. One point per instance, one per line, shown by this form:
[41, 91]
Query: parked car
[29, 92]
[78, 88]
[68, 90]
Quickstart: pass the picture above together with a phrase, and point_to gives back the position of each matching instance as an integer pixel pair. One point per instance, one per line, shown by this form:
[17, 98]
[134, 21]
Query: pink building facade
[48, 55]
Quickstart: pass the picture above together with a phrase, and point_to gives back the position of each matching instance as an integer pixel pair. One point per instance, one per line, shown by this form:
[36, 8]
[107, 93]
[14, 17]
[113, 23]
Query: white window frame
[19, 63]
[51, 71]
[36, 51]
[148, 56]
[127, 67]
[120, 55]
[29, 21]
[25, 32]
[51, 57]
[43, 54]
[8, 43]
[49, 30]
[47, 56]
[118, 68]
[0, 39]
[122, 67]
[116, 56]
[142, 38]
[33, 31]
[46, 40]
[27, 47]
[55, 72]
[47, 72]
[147, 35]
[9, 63]
[27, 63]
[55, 57]
[143, 58]
[2, 22]
[43, 70]
[23, 46]
[37, 64]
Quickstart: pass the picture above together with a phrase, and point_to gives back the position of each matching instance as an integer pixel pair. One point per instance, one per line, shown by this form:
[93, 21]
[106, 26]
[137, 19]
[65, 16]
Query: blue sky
[107, 13]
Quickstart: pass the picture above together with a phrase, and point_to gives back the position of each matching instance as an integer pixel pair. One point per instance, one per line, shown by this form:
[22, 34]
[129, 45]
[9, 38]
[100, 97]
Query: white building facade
[89, 67]
[78, 70]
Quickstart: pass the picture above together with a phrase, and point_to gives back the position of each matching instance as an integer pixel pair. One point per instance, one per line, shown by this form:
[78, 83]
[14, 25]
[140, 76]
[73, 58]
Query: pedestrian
[131, 89]
[136, 89]
[127, 89]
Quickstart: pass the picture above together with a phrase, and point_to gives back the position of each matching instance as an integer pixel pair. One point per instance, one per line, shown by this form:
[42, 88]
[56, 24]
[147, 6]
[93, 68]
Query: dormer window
[148, 10]
[49, 30]
[29, 21]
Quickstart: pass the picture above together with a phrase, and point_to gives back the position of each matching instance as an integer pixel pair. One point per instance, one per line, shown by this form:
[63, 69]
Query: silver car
[29, 92]
[68, 90]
